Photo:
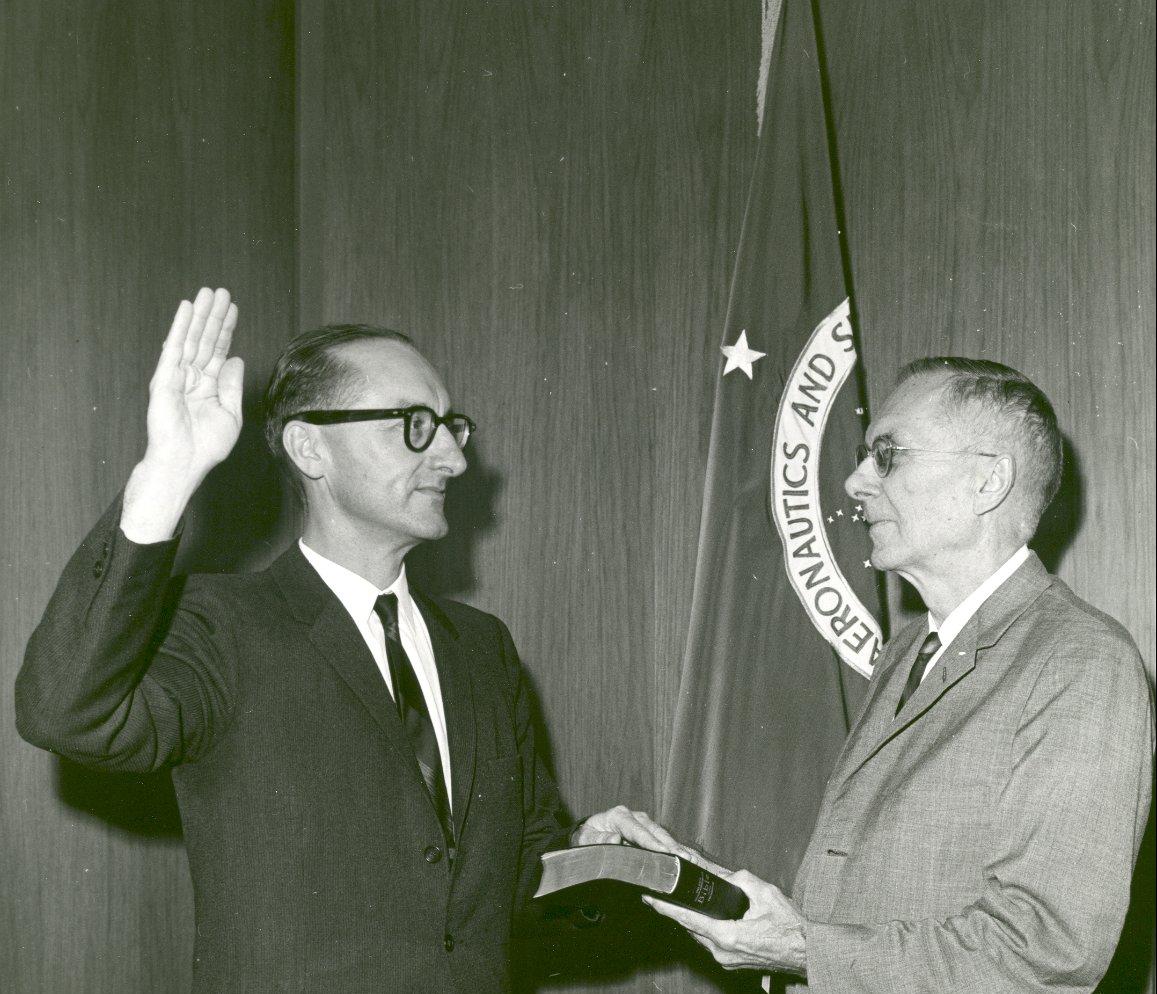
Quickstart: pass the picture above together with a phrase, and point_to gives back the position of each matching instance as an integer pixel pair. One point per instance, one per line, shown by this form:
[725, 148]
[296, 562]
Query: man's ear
[997, 484]
[305, 447]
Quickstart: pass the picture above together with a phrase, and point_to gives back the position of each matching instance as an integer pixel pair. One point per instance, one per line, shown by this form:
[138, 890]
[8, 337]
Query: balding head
[989, 400]
[312, 373]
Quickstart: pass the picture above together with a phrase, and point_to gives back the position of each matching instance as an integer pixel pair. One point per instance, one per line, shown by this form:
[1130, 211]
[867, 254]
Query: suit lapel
[873, 719]
[955, 664]
[339, 641]
[341, 645]
[956, 661]
[457, 701]
[948, 671]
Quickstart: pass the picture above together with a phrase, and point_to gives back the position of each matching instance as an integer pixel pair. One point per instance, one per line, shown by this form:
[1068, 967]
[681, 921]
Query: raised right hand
[194, 415]
[195, 394]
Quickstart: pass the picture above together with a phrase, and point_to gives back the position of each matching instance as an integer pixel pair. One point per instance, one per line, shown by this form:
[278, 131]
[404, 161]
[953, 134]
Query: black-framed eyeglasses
[883, 451]
[421, 423]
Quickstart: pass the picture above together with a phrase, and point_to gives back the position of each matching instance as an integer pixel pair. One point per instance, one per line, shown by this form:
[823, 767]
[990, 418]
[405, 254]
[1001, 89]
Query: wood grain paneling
[998, 172]
[147, 149]
[548, 197]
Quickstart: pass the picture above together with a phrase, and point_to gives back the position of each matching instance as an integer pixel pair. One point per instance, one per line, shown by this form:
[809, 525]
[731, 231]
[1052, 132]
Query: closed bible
[581, 876]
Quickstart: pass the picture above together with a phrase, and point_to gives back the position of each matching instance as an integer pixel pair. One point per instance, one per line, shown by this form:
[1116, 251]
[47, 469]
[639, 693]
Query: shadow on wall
[1132, 963]
[608, 942]
[142, 805]
[1062, 520]
[243, 515]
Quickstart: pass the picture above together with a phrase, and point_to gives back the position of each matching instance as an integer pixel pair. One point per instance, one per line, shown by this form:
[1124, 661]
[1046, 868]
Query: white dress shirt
[358, 596]
[951, 626]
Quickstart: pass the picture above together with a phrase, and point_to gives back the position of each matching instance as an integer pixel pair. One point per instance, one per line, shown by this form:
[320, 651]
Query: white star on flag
[739, 356]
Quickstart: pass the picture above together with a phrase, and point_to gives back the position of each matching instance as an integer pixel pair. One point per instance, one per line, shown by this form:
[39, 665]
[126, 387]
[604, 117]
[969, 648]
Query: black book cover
[705, 892]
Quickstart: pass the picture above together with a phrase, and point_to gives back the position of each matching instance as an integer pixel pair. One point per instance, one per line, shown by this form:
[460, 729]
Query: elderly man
[362, 800]
[980, 828]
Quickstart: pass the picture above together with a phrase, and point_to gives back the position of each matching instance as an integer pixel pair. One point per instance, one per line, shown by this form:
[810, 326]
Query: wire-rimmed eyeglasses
[883, 450]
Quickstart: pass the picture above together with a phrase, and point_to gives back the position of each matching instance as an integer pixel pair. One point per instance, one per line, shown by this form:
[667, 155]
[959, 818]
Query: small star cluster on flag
[857, 514]
[854, 514]
[740, 356]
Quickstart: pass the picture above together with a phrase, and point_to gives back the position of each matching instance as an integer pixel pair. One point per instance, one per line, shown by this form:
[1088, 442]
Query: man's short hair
[1012, 405]
[311, 375]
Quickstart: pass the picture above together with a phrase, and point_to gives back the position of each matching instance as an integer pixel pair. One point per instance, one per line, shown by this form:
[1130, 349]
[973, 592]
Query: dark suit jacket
[982, 841]
[317, 859]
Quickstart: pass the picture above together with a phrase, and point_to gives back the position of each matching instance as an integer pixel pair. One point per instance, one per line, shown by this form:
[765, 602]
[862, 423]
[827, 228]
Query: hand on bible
[194, 415]
[770, 937]
[621, 824]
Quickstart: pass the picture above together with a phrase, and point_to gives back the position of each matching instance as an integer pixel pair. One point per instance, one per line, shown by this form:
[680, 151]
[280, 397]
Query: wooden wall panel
[548, 198]
[146, 149]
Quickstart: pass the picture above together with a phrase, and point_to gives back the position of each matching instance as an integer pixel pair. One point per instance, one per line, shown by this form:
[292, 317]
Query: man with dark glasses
[363, 803]
[420, 422]
[980, 828]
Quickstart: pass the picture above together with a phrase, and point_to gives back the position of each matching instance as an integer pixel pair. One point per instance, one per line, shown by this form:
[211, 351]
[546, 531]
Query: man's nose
[447, 455]
[864, 481]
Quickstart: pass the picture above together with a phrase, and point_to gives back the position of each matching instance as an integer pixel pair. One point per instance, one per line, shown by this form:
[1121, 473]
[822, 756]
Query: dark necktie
[928, 649]
[415, 713]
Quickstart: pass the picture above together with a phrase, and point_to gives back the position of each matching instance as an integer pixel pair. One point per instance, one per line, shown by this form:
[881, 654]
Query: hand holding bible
[770, 937]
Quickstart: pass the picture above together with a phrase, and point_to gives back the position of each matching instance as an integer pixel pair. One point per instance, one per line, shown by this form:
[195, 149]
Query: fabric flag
[783, 629]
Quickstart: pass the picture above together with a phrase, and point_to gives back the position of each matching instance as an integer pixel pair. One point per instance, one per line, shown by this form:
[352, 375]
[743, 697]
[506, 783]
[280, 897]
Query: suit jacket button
[98, 569]
[448, 942]
[431, 854]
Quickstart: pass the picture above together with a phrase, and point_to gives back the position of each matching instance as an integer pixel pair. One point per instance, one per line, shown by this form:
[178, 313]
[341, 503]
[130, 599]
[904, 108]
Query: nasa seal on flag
[835, 610]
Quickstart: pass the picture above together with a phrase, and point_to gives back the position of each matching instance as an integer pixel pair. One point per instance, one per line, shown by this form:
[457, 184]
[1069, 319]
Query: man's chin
[879, 558]
[435, 529]
[425, 528]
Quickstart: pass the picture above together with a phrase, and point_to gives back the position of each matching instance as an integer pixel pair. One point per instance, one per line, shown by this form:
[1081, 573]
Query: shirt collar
[963, 612]
[357, 594]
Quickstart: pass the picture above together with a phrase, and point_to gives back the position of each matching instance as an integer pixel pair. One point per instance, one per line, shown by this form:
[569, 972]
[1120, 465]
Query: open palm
[194, 414]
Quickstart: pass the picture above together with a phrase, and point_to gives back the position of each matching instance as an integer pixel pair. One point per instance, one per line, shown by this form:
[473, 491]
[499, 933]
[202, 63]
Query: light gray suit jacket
[983, 839]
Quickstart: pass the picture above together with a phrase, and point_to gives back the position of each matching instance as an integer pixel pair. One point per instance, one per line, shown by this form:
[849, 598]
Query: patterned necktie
[928, 649]
[415, 713]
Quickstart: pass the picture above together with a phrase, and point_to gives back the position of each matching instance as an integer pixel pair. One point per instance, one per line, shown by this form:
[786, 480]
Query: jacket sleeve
[1069, 822]
[545, 822]
[123, 672]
